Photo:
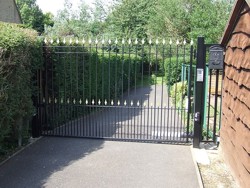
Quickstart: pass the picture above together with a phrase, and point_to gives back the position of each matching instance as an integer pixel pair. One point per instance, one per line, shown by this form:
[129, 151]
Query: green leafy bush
[20, 56]
[173, 68]
[178, 92]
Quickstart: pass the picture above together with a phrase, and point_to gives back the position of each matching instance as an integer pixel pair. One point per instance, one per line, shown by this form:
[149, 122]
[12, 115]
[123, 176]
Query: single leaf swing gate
[119, 90]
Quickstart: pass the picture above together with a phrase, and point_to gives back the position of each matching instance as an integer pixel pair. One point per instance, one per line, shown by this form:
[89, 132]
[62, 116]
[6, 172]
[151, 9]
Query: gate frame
[200, 93]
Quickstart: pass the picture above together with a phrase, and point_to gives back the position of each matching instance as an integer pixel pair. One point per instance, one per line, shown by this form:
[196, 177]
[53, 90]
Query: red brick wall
[235, 130]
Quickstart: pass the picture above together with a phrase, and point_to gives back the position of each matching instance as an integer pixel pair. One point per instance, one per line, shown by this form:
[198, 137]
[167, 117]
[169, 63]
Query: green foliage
[178, 92]
[32, 15]
[85, 21]
[208, 18]
[189, 19]
[173, 68]
[100, 71]
[92, 74]
[129, 18]
[144, 19]
[168, 18]
[20, 56]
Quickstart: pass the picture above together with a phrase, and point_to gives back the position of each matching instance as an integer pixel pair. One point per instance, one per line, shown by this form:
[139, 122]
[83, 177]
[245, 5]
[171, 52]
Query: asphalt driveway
[70, 162]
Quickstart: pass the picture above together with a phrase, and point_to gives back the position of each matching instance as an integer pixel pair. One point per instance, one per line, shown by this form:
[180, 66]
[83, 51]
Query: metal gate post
[199, 91]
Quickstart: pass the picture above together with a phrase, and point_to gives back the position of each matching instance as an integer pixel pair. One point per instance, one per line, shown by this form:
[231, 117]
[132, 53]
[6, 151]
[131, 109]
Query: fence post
[199, 91]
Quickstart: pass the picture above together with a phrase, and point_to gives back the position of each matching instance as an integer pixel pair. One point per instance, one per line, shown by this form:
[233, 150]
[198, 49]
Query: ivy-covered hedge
[20, 56]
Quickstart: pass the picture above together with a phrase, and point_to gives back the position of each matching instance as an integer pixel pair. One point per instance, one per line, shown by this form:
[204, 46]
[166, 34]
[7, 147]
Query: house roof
[239, 4]
[19, 11]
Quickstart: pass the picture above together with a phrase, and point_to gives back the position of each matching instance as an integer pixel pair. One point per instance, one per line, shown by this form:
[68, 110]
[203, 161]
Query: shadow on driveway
[35, 164]
[71, 162]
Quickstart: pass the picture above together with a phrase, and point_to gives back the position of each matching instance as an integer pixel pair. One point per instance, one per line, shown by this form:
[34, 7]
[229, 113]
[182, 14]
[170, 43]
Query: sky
[54, 5]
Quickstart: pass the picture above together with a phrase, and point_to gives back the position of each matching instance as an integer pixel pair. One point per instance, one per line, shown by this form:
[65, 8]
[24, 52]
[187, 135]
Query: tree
[169, 19]
[129, 18]
[69, 22]
[86, 21]
[189, 18]
[33, 16]
[208, 18]
[145, 19]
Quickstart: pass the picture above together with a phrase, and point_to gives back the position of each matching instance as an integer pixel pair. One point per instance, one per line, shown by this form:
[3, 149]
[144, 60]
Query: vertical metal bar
[215, 105]
[109, 86]
[183, 91]
[162, 92]
[52, 92]
[221, 80]
[65, 89]
[144, 121]
[164, 123]
[102, 120]
[208, 105]
[96, 70]
[91, 120]
[135, 71]
[116, 127]
[129, 71]
[169, 119]
[157, 121]
[116, 69]
[141, 114]
[77, 92]
[134, 117]
[71, 89]
[59, 91]
[102, 99]
[189, 90]
[199, 93]
[83, 92]
[142, 66]
[46, 94]
[122, 72]
[175, 90]
[155, 93]
[148, 119]
[121, 122]
[129, 119]
[176, 133]
[90, 73]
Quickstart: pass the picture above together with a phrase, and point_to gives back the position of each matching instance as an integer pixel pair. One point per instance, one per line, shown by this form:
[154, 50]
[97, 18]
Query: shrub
[178, 92]
[173, 68]
[20, 56]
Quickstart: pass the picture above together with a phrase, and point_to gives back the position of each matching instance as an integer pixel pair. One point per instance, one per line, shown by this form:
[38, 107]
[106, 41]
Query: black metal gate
[121, 90]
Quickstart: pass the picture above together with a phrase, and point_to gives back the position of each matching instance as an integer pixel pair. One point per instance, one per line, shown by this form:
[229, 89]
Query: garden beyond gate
[119, 90]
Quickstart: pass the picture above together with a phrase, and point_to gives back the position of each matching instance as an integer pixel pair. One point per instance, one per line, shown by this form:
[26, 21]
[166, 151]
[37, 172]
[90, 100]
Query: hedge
[81, 73]
[20, 57]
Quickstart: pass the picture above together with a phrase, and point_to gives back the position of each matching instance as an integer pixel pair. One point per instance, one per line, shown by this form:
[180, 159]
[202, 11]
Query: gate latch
[197, 117]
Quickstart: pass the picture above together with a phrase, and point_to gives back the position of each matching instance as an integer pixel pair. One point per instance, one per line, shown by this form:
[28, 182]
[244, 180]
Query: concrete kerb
[194, 156]
[32, 141]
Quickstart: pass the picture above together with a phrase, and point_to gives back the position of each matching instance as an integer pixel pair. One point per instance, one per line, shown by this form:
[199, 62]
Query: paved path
[70, 162]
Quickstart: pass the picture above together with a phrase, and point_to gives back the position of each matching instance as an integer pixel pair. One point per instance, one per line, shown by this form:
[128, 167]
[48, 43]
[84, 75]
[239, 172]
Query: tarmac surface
[92, 163]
